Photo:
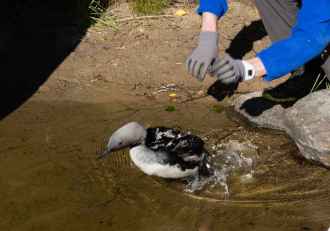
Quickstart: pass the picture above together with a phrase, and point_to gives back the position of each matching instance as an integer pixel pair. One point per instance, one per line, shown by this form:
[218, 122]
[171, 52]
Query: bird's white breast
[150, 163]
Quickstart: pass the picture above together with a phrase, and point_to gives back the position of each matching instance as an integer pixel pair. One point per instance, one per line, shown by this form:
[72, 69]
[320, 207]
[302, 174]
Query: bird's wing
[185, 146]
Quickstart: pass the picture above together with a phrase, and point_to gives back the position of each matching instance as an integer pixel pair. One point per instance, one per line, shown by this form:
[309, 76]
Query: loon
[161, 151]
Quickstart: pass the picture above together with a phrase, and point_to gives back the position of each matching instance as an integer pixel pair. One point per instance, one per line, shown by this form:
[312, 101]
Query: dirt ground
[144, 55]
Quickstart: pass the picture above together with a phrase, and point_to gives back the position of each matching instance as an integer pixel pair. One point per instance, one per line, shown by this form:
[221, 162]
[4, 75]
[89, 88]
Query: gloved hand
[229, 71]
[201, 58]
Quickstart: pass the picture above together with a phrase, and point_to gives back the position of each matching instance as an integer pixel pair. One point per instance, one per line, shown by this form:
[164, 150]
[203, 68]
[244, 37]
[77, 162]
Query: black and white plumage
[161, 151]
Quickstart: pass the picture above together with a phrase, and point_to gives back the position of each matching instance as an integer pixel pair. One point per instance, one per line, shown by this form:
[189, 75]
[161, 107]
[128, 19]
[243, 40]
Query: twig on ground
[123, 20]
[193, 99]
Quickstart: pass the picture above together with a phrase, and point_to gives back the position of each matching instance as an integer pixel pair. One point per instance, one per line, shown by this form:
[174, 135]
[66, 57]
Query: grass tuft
[170, 108]
[148, 7]
[321, 78]
[99, 17]
[217, 108]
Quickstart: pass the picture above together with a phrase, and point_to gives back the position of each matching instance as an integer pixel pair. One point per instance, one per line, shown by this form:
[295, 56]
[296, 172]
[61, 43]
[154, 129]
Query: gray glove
[202, 57]
[229, 71]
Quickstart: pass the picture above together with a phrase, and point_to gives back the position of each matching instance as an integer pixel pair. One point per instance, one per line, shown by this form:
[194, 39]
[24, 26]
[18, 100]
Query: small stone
[200, 93]
[44, 88]
[180, 13]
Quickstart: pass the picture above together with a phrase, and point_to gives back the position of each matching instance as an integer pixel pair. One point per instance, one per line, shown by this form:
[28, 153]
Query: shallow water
[50, 178]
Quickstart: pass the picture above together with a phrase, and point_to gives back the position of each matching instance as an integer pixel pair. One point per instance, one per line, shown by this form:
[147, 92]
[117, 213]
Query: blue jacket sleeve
[217, 7]
[308, 39]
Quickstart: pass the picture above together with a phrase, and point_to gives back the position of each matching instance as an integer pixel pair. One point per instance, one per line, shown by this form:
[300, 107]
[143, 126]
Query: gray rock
[307, 122]
[259, 111]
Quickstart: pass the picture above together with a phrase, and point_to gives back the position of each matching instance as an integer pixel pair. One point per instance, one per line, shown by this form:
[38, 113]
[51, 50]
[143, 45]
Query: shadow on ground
[243, 41]
[36, 36]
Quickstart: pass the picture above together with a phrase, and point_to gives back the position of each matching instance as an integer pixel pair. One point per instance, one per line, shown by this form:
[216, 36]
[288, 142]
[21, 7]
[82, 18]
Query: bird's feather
[183, 148]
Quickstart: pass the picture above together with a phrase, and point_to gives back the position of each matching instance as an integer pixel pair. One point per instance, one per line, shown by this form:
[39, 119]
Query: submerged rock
[307, 122]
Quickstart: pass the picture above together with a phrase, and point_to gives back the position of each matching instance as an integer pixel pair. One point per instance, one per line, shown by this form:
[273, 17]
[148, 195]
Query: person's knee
[326, 65]
[326, 68]
[279, 5]
[260, 4]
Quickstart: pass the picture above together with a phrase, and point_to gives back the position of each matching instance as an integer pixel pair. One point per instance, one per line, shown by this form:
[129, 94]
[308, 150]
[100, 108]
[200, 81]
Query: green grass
[148, 7]
[98, 16]
[170, 108]
[217, 108]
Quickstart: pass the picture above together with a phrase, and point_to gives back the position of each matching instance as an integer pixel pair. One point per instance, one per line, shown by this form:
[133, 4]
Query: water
[51, 180]
[226, 160]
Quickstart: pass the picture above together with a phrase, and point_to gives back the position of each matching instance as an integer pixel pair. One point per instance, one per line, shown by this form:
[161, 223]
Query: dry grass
[98, 15]
[148, 7]
[320, 80]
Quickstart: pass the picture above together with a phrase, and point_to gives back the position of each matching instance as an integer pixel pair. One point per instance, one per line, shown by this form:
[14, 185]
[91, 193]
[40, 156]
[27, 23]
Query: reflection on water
[50, 178]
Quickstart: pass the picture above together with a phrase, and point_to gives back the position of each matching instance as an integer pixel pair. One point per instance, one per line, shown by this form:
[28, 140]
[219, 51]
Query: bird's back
[183, 148]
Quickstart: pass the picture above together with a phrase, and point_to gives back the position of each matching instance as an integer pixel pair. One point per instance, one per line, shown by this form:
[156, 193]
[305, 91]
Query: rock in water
[307, 121]
[259, 111]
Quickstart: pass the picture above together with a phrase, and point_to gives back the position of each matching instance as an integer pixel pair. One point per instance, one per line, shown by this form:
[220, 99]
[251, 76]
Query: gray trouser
[279, 16]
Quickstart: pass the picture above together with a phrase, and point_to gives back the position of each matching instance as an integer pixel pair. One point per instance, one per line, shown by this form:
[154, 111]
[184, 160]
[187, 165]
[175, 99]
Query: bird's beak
[104, 154]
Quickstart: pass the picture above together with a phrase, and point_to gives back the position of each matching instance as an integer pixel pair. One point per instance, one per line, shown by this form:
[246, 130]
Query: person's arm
[309, 38]
[216, 7]
[209, 22]
[258, 67]
[231, 71]
[203, 55]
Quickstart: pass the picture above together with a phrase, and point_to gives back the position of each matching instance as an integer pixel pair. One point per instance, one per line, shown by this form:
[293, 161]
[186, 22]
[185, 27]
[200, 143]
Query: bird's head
[128, 135]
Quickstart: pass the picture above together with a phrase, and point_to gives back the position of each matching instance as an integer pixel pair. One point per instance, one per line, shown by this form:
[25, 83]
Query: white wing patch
[168, 134]
[151, 164]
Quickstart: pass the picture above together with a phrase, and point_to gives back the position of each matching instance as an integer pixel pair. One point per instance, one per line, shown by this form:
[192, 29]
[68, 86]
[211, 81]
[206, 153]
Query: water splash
[232, 158]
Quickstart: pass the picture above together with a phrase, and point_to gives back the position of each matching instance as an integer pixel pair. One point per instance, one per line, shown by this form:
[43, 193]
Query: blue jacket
[309, 37]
